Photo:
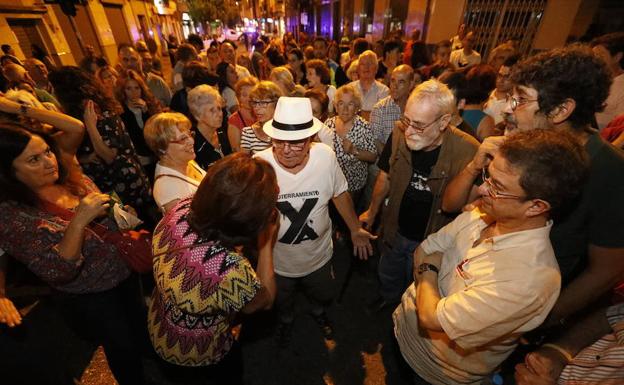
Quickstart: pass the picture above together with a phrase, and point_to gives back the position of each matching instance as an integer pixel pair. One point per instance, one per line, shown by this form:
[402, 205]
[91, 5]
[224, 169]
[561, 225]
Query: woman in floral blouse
[203, 275]
[351, 138]
[107, 154]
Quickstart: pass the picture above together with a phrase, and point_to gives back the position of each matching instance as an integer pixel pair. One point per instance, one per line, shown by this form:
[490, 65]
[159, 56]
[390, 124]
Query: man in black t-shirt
[420, 156]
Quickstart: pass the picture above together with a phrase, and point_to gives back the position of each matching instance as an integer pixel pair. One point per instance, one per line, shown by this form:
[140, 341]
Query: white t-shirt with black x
[304, 242]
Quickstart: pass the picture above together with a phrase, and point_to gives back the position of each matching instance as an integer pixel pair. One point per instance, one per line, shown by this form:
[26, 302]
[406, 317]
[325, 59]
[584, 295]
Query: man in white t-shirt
[466, 56]
[309, 177]
[497, 102]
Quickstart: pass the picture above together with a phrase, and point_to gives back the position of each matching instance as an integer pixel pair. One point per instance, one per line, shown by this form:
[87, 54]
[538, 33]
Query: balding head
[402, 81]
[129, 58]
[15, 72]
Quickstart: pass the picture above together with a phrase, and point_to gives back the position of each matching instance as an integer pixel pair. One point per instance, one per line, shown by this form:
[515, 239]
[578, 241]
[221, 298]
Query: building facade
[102, 24]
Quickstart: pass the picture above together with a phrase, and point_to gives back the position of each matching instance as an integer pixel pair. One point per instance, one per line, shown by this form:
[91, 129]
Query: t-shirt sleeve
[607, 211]
[384, 92]
[238, 286]
[245, 141]
[340, 181]
[482, 313]
[326, 135]
[384, 159]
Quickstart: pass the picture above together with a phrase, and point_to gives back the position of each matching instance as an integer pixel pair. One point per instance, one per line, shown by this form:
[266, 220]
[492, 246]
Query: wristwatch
[427, 267]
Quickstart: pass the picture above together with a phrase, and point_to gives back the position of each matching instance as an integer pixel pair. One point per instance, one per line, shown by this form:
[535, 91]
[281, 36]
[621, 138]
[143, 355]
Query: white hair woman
[177, 175]
[351, 138]
[211, 141]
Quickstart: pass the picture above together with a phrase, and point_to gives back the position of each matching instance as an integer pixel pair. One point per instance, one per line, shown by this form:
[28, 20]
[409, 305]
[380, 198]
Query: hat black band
[292, 127]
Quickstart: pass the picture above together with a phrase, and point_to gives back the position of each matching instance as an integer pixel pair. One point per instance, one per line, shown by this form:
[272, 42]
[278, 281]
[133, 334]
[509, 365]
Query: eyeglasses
[515, 102]
[417, 126]
[185, 137]
[294, 145]
[261, 103]
[350, 105]
[492, 192]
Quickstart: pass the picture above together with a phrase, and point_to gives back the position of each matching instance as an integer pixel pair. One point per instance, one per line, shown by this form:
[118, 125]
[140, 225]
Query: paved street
[361, 353]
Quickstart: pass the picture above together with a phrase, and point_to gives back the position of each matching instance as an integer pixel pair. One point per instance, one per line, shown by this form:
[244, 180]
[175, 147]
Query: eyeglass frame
[491, 190]
[294, 145]
[261, 103]
[190, 134]
[515, 102]
[409, 123]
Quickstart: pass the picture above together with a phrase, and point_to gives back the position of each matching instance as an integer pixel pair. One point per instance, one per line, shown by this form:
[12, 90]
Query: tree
[203, 11]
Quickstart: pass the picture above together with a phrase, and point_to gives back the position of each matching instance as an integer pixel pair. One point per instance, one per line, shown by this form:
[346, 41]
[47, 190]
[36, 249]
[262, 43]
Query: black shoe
[324, 325]
[284, 333]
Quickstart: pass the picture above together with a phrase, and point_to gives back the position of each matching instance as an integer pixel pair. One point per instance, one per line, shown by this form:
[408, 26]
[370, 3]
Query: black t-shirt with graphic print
[417, 199]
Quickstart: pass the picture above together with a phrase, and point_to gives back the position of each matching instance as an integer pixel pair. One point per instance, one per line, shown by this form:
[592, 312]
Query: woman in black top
[138, 105]
[211, 139]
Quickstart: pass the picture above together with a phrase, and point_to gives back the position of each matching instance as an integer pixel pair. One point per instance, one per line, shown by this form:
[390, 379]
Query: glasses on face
[294, 145]
[417, 126]
[261, 103]
[351, 105]
[515, 102]
[491, 190]
[184, 137]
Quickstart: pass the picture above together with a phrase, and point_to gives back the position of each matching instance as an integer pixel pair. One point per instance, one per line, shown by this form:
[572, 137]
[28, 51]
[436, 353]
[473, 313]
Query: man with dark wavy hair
[562, 89]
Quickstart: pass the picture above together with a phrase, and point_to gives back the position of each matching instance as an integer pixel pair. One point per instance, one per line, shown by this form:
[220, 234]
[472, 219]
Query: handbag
[133, 247]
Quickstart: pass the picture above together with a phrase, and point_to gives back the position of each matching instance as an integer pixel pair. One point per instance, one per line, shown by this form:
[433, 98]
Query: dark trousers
[228, 371]
[318, 287]
[114, 319]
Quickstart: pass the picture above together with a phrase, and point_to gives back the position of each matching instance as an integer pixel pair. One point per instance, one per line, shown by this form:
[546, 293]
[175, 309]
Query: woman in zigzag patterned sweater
[204, 278]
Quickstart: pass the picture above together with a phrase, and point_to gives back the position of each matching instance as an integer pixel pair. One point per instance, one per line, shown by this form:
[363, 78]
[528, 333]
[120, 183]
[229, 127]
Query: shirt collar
[515, 239]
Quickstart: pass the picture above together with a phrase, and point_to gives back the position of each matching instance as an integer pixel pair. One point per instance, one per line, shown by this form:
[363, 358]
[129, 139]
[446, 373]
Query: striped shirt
[250, 142]
[603, 361]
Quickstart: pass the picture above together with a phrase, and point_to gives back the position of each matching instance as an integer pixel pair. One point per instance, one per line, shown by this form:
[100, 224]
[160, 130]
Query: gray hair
[200, 96]
[369, 54]
[349, 88]
[437, 93]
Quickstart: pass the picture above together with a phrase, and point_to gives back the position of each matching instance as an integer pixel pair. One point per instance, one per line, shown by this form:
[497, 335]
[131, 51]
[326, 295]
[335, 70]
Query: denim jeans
[395, 267]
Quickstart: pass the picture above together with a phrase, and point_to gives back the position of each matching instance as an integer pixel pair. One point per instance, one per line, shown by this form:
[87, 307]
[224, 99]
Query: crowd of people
[161, 211]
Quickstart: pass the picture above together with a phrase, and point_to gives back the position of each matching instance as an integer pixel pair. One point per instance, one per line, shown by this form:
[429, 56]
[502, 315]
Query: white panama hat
[292, 120]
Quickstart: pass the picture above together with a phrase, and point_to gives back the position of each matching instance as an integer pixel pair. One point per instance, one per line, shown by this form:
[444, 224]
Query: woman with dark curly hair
[139, 104]
[106, 154]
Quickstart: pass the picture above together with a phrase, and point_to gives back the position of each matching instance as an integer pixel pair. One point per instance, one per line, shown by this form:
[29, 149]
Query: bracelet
[561, 351]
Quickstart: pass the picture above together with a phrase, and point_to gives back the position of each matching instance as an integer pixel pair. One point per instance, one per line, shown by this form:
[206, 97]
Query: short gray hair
[437, 93]
[201, 95]
[349, 88]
